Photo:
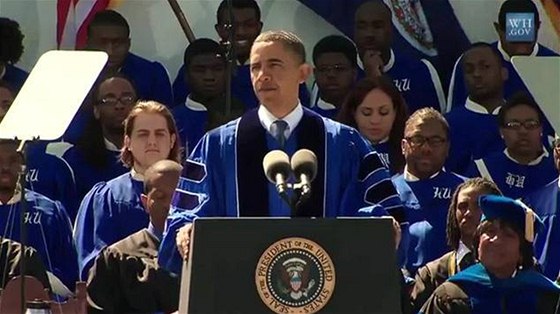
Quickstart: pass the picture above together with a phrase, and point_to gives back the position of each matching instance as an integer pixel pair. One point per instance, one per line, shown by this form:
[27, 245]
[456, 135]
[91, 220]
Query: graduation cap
[510, 210]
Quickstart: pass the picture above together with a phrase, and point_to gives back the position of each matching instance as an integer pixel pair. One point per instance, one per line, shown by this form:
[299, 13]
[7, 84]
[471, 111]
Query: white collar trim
[473, 106]
[507, 58]
[194, 105]
[412, 178]
[534, 162]
[325, 105]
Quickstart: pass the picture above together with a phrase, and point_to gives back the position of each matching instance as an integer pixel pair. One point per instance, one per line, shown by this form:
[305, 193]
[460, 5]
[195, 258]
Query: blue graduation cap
[513, 211]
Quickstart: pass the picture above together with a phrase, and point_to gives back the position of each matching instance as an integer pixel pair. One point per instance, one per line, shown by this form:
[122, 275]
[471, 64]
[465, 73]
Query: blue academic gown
[86, 174]
[49, 231]
[241, 88]
[546, 203]
[473, 134]
[15, 76]
[190, 123]
[488, 294]
[150, 79]
[513, 179]
[109, 212]
[426, 203]
[458, 89]
[223, 177]
[322, 107]
[52, 177]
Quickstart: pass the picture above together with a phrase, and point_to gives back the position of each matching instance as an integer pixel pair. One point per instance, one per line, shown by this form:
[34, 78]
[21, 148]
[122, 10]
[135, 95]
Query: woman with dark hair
[463, 218]
[504, 280]
[377, 110]
[95, 156]
[112, 210]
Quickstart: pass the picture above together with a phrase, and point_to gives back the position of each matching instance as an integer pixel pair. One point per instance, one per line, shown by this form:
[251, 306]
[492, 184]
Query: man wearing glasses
[545, 201]
[425, 188]
[525, 164]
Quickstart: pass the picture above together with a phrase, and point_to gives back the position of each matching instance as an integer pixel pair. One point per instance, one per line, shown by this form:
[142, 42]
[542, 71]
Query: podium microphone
[304, 165]
[277, 168]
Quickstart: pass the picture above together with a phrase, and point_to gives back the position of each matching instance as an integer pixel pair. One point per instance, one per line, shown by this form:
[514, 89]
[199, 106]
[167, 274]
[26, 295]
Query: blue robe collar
[478, 275]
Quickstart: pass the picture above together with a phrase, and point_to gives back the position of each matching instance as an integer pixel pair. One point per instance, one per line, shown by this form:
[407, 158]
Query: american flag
[73, 16]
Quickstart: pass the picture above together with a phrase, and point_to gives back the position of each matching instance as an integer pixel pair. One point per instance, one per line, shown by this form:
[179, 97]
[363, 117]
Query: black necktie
[466, 261]
[278, 129]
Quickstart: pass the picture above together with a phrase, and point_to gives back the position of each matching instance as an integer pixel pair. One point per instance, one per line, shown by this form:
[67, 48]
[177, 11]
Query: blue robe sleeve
[63, 255]
[191, 200]
[374, 182]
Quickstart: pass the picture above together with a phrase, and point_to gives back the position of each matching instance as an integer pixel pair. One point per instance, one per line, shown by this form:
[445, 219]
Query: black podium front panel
[246, 265]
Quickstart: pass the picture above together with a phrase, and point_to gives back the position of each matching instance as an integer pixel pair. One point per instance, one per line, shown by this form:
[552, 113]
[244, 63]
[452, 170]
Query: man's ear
[305, 71]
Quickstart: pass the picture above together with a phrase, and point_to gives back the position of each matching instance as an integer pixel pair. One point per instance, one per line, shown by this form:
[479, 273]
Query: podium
[301, 265]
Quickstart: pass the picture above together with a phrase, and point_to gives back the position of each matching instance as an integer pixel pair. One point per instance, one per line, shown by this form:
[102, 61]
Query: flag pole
[182, 20]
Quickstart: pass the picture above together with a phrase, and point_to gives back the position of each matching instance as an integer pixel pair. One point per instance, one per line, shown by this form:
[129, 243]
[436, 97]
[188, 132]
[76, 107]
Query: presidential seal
[295, 275]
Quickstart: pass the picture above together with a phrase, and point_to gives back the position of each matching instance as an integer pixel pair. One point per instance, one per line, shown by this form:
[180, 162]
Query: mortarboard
[510, 210]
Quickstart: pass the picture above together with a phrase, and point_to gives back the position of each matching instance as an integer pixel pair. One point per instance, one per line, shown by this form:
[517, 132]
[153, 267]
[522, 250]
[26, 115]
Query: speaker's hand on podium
[183, 240]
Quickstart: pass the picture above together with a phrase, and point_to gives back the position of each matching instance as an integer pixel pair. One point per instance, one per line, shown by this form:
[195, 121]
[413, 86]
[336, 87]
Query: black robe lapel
[251, 149]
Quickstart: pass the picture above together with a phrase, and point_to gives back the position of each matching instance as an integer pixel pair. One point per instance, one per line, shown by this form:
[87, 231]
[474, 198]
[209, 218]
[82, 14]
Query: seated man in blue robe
[109, 31]
[473, 127]
[205, 107]
[223, 176]
[11, 42]
[417, 80]
[425, 188]
[46, 174]
[504, 280]
[458, 91]
[47, 224]
[336, 70]
[112, 210]
[247, 25]
[546, 203]
[125, 277]
[525, 165]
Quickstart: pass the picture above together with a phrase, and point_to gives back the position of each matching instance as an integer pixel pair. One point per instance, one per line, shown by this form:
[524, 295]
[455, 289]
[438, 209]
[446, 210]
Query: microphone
[277, 169]
[304, 164]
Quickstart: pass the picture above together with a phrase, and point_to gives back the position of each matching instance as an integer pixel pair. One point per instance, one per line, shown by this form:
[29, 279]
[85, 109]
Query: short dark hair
[108, 18]
[164, 167]
[427, 114]
[521, 6]
[237, 4]
[356, 97]
[336, 44]
[519, 98]
[481, 44]
[452, 230]
[202, 46]
[11, 38]
[290, 41]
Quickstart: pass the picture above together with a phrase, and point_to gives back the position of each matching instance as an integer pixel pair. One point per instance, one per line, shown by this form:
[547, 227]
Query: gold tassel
[529, 225]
